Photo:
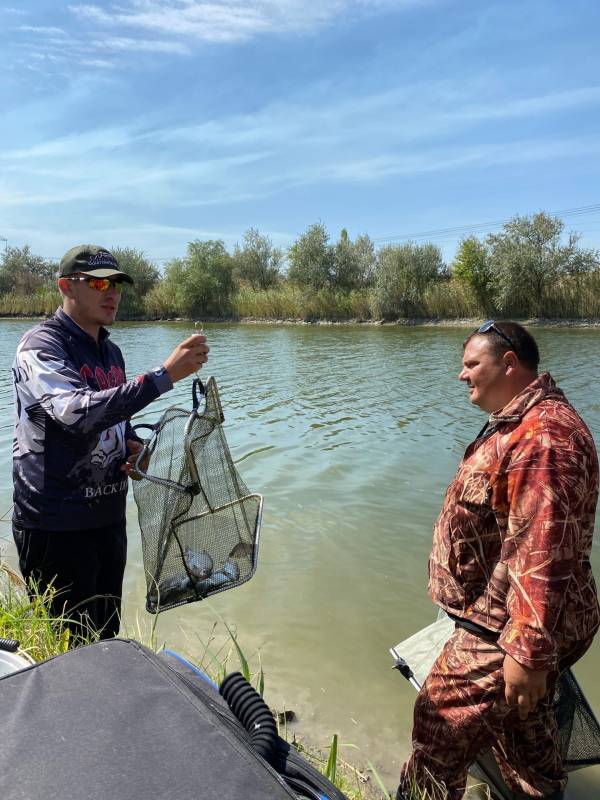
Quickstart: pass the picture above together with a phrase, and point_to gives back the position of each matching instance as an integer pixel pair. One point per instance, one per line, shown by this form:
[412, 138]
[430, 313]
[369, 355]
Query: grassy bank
[41, 636]
[572, 299]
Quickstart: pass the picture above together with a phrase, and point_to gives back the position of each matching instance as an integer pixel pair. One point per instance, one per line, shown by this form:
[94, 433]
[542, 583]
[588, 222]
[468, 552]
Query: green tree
[145, 276]
[528, 259]
[257, 262]
[311, 259]
[353, 262]
[23, 272]
[403, 274]
[202, 283]
[472, 267]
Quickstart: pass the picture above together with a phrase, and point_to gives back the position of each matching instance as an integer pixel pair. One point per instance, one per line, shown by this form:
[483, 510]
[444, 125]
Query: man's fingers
[512, 696]
[524, 706]
[187, 357]
[195, 340]
[525, 703]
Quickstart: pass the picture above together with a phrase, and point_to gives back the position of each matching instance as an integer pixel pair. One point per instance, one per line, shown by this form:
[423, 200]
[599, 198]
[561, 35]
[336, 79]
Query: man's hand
[523, 686]
[187, 357]
[128, 468]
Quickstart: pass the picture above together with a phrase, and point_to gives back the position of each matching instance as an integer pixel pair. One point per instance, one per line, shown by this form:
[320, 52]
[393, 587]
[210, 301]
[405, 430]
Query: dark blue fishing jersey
[72, 410]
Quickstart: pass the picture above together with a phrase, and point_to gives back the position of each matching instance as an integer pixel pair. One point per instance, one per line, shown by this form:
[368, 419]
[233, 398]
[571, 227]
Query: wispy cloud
[48, 43]
[128, 30]
[436, 160]
[387, 120]
[128, 45]
[74, 146]
[427, 111]
[226, 21]
[42, 29]
[408, 131]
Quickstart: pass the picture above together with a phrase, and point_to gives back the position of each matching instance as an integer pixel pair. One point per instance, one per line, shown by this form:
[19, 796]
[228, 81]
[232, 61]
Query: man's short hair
[524, 345]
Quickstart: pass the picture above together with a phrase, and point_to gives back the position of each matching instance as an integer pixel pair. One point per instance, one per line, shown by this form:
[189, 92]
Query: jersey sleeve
[46, 383]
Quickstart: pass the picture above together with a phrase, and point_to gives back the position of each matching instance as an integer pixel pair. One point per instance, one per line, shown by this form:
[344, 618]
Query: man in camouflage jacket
[511, 565]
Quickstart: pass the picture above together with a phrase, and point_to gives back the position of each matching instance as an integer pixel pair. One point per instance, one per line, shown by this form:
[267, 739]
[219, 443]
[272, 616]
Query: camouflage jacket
[511, 546]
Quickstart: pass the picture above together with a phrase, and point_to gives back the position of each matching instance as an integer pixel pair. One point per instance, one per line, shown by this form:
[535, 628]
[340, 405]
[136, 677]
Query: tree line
[529, 268]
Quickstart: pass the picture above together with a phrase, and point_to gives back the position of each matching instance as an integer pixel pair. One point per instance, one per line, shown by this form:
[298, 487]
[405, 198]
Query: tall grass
[292, 303]
[283, 303]
[39, 304]
[450, 300]
[572, 298]
[41, 636]
[29, 620]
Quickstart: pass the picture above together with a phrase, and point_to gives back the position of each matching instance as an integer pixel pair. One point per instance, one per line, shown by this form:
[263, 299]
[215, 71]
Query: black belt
[477, 630]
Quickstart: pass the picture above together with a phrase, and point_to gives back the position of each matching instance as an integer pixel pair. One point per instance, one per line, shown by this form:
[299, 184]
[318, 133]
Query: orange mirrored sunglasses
[101, 284]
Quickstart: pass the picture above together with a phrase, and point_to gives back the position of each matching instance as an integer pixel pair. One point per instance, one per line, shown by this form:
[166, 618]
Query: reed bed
[39, 304]
[572, 298]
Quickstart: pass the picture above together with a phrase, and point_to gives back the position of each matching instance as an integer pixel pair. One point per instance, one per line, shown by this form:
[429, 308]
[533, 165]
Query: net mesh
[200, 525]
[577, 725]
[578, 728]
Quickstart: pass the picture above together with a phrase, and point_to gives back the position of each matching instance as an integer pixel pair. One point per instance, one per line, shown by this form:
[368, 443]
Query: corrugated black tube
[9, 645]
[252, 711]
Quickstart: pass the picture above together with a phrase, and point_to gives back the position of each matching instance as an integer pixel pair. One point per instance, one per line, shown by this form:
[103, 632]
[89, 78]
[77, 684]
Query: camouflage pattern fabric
[511, 546]
[511, 553]
[461, 711]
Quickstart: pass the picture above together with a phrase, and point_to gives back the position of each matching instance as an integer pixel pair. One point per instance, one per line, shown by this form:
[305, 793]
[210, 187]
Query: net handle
[146, 450]
[197, 387]
[143, 425]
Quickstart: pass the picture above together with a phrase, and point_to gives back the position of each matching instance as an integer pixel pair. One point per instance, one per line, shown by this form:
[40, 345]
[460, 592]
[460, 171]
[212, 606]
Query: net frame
[578, 727]
[185, 487]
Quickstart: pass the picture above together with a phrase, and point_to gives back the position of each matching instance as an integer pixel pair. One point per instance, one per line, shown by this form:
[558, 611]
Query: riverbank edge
[464, 322]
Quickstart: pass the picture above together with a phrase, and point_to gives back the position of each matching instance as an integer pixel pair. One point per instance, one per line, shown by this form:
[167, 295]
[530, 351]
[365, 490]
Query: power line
[481, 226]
[447, 234]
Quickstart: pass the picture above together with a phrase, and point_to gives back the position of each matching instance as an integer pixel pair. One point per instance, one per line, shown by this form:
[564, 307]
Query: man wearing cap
[74, 446]
[511, 566]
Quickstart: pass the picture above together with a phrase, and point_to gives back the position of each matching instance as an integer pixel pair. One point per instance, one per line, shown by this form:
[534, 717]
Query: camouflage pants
[461, 711]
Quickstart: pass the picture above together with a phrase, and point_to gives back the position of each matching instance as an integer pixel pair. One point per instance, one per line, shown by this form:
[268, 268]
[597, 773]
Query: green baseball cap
[92, 260]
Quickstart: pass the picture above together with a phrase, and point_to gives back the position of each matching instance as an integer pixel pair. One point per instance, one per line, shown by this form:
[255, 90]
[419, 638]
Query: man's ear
[510, 360]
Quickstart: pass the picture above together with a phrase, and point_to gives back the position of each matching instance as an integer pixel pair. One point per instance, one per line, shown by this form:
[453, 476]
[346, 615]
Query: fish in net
[200, 524]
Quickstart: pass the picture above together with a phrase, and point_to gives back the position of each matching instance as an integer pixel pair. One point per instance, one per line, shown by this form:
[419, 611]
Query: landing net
[200, 524]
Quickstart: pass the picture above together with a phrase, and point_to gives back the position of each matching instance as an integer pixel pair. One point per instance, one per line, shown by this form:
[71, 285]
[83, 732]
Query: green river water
[352, 434]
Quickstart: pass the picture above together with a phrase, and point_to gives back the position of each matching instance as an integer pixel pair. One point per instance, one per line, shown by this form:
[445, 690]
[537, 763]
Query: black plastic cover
[114, 720]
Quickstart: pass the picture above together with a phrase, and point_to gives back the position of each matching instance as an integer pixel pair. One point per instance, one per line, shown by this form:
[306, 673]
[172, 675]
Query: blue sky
[150, 123]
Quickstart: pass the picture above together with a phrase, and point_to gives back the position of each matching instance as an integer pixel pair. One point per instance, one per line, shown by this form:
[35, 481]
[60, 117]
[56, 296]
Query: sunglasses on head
[490, 325]
[101, 284]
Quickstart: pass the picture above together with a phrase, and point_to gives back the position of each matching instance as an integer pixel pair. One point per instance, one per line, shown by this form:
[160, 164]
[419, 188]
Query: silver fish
[200, 565]
[232, 570]
[228, 574]
[171, 590]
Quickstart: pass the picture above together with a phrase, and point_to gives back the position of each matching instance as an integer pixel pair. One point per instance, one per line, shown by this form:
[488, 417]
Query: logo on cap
[102, 259]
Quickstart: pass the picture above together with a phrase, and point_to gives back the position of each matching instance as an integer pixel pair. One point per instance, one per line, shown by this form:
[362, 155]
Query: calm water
[352, 434]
